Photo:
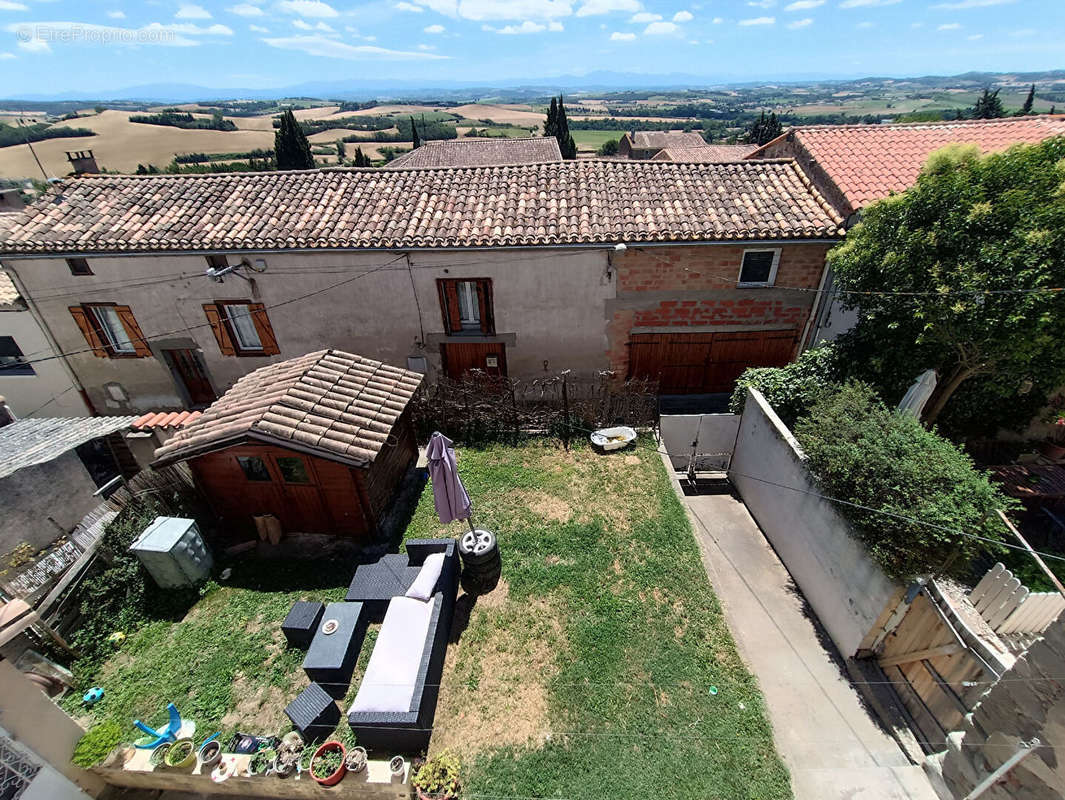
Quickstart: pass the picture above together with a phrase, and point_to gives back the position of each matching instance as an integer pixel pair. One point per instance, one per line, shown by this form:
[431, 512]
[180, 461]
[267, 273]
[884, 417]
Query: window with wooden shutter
[81, 318]
[264, 329]
[133, 331]
[218, 327]
[111, 330]
[466, 305]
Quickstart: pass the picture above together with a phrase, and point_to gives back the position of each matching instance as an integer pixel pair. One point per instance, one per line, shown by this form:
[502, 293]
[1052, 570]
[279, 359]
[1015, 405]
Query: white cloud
[189, 28]
[644, 17]
[7, 56]
[949, 26]
[433, 29]
[555, 27]
[192, 11]
[961, 4]
[324, 47]
[975, 37]
[487, 10]
[116, 14]
[761, 3]
[528, 26]
[427, 47]
[302, 25]
[1023, 33]
[593, 7]
[718, 20]
[8, 5]
[661, 29]
[804, 5]
[34, 45]
[801, 23]
[403, 5]
[759, 21]
[683, 16]
[325, 27]
[38, 35]
[618, 36]
[245, 10]
[258, 29]
[867, 3]
[307, 8]
[864, 25]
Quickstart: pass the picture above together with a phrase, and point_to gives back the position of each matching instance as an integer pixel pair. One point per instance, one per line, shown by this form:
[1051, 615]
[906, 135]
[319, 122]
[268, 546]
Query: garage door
[704, 363]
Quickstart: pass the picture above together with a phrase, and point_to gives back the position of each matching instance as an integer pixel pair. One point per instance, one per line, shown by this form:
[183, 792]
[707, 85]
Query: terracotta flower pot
[333, 778]
[1052, 450]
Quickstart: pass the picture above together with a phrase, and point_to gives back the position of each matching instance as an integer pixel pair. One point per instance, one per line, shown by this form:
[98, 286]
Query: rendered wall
[845, 588]
[48, 393]
[60, 489]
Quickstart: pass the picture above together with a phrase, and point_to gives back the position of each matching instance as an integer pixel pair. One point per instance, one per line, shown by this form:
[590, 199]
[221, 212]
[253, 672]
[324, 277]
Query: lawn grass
[593, 140]
[588, 673]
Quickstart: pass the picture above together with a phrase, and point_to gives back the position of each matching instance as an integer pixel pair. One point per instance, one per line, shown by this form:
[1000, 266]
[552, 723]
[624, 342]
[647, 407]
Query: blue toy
[93, 696]
[167, 734]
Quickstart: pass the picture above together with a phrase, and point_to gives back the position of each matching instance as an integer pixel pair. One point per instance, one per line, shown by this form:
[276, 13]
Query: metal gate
[699, 442]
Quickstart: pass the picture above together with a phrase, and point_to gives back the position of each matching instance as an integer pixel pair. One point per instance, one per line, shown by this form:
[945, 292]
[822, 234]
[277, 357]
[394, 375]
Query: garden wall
[846, 588]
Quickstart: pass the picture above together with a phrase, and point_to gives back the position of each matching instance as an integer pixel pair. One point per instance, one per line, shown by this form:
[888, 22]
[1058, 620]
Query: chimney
[11, 200]
[83, 162]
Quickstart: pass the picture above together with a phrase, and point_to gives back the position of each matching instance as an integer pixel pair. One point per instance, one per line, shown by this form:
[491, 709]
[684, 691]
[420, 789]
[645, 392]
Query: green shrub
[791, 390]
[862, 452]
[97, 744]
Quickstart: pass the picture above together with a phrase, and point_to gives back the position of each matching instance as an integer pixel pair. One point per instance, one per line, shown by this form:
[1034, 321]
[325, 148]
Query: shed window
[242, 326]
[254, 468]
[759, 267]
[292, 470]
[12, 361]
[79, 266]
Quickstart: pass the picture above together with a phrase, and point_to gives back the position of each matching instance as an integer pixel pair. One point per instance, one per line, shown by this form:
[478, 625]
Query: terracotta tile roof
[480, 153]
[705, 154]
[9, 295]
[570, 202]
[329, 403]
[656, 140]
[869, 162]
[164, 419]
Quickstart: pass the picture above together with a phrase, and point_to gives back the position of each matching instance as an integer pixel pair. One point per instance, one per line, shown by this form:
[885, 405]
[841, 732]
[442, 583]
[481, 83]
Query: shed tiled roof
[655, 140]
[329, 403]
[480, 153]
[869, 162]
[570, 202]
[164, 419]
[705, 154]
[9, 295]
[37, 440]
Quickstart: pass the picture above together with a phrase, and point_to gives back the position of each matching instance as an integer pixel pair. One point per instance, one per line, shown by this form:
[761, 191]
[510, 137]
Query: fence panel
[1009, 607]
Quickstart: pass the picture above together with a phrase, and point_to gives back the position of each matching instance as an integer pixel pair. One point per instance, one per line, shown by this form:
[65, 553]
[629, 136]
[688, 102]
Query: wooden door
[705, 363]
[305, 508]
[193, 376]
[461, 357]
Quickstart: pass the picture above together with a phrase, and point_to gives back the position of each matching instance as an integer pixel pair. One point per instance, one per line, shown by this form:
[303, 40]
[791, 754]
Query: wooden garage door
[698, 363]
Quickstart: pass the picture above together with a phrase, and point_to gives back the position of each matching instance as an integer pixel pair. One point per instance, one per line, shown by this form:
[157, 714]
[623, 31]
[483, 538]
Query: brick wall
[695, 287]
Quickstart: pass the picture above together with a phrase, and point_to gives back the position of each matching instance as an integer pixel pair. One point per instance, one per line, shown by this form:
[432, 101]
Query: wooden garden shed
[320, 441]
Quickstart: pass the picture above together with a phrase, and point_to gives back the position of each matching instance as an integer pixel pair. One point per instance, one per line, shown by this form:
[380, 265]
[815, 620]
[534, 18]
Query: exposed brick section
[718, 267]
[682, 313]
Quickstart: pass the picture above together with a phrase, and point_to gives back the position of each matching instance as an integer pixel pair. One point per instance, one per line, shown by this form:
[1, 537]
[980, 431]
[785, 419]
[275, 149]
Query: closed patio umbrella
[449, 495]
[917, 395]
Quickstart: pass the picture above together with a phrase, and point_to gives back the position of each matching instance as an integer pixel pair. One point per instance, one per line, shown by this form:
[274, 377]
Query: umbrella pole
[469, 521]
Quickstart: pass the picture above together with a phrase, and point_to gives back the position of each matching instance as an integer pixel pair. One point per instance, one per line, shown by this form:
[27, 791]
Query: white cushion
[422, 588]
[392, 672]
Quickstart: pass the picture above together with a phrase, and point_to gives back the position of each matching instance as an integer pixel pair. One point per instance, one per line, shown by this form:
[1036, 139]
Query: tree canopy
[291, 148]
[557, 125]
[958, 274]
[988, 106]
[764, 129]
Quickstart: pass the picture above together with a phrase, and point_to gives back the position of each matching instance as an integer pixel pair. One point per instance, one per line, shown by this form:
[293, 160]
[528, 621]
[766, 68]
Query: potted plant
[438, 778]
[355, 760]
[210, 753]
[181, 755]
[262, 761]
[327, 764]
[158, 754]
[306, 755]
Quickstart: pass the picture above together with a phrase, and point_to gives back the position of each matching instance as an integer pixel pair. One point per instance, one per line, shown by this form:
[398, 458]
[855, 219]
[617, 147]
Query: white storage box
[173, 552]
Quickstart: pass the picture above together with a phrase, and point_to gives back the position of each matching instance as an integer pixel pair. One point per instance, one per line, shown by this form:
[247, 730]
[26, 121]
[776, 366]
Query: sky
[86, 46]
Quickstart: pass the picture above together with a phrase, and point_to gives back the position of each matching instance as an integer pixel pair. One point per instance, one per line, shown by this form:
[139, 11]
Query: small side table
[313, 711]
[335, 647]
[301, 623]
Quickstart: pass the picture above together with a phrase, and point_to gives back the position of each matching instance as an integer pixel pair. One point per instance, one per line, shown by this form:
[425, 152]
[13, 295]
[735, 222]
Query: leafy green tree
[291, 148]
[957, 274]
[415, 138]
[341, 150]
[1026, 109]
[988, 106]
[608, 148]
[764, 129]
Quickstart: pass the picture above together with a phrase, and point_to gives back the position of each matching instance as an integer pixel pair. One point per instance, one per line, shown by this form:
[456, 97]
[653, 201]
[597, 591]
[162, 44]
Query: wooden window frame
[79, 266]
[228, 343]
[772, 269]
[449, 306]
[98, 339]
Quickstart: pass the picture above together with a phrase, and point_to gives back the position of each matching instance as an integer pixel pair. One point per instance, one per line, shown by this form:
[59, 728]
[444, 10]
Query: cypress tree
[291, 148]
[415, 138]
[341, 150]
[565, 141]
[551, 126]
[988, 106]
[1026, 109]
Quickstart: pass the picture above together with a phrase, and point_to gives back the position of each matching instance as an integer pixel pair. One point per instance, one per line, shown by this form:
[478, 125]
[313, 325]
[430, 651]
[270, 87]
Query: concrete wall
[548, 307]
[714, 433]
[693, 289]
[845, 588]
[60, 490]
[37, 723]
[48, 393]
[1027, 703]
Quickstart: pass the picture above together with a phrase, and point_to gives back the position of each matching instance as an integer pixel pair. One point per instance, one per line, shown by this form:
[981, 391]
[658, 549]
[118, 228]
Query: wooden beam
[1042, 564]
[918, 655]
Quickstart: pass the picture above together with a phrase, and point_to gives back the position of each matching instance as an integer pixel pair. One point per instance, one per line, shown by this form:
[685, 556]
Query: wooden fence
[1010, 607]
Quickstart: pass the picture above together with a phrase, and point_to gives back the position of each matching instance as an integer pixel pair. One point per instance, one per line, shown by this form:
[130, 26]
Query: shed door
[460, 357]
[706, 363]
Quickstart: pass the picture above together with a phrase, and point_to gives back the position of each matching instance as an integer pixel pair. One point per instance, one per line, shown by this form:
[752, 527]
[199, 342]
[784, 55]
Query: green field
[592, 140]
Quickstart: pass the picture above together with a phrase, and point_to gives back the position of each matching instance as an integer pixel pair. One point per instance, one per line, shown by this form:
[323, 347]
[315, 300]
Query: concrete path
[827, 738]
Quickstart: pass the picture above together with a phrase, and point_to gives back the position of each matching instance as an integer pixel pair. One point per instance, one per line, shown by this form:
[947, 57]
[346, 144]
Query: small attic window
[79, 266]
